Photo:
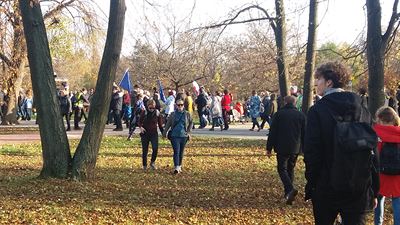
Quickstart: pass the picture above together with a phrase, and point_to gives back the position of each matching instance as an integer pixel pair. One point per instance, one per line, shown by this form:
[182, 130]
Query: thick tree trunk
[375, 55]
[55, 146]
[310, 57]
[280, 38]
[84, 161]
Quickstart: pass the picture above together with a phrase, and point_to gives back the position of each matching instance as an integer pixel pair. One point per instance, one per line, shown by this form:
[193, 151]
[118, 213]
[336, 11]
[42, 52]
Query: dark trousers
[255, 123]
[117, 118]
[67, 118]
[225, 116]
[77, 117]
[203, 122]
[146, 139]
[324, 215]
[265, 119]
[286, 164]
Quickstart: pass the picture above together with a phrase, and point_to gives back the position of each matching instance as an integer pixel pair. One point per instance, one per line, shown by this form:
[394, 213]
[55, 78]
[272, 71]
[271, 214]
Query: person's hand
[269, 154]
[142, 130]
[375, 203]
[189, 137]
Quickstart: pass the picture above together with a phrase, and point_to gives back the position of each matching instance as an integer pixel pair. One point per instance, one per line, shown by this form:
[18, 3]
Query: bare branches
[393, 19]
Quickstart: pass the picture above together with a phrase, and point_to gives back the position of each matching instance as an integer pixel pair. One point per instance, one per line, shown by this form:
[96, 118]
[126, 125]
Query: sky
[339, 20]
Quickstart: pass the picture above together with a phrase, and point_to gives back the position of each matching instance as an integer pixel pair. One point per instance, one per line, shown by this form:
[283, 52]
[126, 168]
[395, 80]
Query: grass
[225, 181]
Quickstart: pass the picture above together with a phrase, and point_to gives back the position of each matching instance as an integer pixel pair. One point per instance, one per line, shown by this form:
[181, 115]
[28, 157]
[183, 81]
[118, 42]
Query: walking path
[235, 131]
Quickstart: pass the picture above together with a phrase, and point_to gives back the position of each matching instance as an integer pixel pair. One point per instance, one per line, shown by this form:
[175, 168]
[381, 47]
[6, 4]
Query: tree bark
[376, 47]
[375, 57]
[310, 57]
[85, 157]
[280, 37]
[55, 146]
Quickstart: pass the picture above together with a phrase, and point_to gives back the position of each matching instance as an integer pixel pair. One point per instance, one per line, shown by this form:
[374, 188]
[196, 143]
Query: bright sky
[340, 20]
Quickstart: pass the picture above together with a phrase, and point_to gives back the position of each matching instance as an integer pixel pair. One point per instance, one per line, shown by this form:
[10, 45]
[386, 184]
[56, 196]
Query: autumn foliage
[224, 181]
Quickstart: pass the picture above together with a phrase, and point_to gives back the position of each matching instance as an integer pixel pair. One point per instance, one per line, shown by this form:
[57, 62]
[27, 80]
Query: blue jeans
[178, 145]
[203, 122]
[378, 216]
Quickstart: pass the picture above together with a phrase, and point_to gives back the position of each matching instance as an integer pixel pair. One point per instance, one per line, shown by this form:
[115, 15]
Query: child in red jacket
[388, 131]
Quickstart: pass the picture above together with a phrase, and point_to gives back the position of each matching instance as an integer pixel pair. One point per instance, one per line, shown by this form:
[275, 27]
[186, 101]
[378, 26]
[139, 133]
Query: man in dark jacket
[319, 150]
[116, 106]
[285, 137]
[201, 102]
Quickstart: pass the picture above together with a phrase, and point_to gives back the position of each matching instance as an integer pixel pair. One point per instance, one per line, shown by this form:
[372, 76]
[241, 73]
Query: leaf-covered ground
[224, 181]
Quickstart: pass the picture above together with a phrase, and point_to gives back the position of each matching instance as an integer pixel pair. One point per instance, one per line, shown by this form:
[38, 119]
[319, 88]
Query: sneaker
[118, 129]
[211, 129]
[144, 168]
[68, 129]
[180, 169]
[77, 128]
[153, 166]
[291, 196]
[177, 170]
[251, 129]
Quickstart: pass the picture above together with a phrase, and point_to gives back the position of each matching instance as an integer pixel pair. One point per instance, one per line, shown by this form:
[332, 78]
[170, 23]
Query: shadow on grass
[206, 189]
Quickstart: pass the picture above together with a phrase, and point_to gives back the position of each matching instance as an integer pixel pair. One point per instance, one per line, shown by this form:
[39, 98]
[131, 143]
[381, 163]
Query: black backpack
[389, 159]
[354, 150]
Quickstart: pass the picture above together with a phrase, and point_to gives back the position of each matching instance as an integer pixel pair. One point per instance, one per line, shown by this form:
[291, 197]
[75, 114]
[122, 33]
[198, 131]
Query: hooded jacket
[389, 184]
[319, 148]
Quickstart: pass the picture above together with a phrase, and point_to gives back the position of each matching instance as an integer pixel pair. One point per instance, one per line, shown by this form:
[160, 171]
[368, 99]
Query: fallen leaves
[224, 181]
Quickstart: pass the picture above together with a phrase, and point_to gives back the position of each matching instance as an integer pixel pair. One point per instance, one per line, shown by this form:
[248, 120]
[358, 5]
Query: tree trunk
[14, 82]
[55, 146]
[375, 56]
[84, 161]
[280, 38]
[310, 57]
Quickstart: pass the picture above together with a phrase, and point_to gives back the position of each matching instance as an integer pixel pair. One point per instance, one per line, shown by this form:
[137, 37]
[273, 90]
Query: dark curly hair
[336, 72]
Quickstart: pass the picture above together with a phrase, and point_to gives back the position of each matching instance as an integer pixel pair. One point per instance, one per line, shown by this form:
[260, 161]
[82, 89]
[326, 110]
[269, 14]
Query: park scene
[199, 112]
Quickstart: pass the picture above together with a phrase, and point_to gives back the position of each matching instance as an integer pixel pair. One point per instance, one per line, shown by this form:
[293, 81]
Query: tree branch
[393, 20]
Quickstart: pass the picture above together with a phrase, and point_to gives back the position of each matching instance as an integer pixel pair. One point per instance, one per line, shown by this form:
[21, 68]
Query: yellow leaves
[224, 181]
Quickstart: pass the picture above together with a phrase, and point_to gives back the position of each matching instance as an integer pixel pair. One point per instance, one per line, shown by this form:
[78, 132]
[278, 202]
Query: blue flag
[162, 96]
[126, 82]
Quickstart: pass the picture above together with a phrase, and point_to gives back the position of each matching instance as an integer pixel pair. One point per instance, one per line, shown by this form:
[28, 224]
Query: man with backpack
[339, 151]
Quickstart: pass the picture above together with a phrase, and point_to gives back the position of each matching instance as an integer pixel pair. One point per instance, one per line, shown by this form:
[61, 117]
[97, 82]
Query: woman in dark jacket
[180, 123]
[319, 148]
[149, 119]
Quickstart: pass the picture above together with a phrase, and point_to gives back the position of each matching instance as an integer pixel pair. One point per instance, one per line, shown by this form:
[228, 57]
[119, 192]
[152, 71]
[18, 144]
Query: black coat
[318, 152]
[287, 131]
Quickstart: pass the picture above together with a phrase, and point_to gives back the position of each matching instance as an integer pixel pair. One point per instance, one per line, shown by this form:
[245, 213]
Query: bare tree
[310, 56]
[56, 153]
[377, 43]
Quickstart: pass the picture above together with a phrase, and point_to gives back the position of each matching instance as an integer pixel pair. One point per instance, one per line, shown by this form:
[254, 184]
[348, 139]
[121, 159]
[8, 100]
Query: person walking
[150, 118]
[388, 130]
[226, 108]
[201, 102]
[286, 137]
[216, 111]
[328, 197]
[65, 107]
[179, 124]
[264, 114]
[254, 103]
[116, 106]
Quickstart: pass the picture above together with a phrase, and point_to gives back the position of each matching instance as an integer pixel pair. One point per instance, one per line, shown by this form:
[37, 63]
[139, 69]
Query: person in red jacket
[388, 131]
[226, 108]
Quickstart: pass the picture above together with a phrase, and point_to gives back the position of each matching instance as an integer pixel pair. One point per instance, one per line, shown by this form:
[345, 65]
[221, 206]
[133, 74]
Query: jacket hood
[342, 103]
[388, 133]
